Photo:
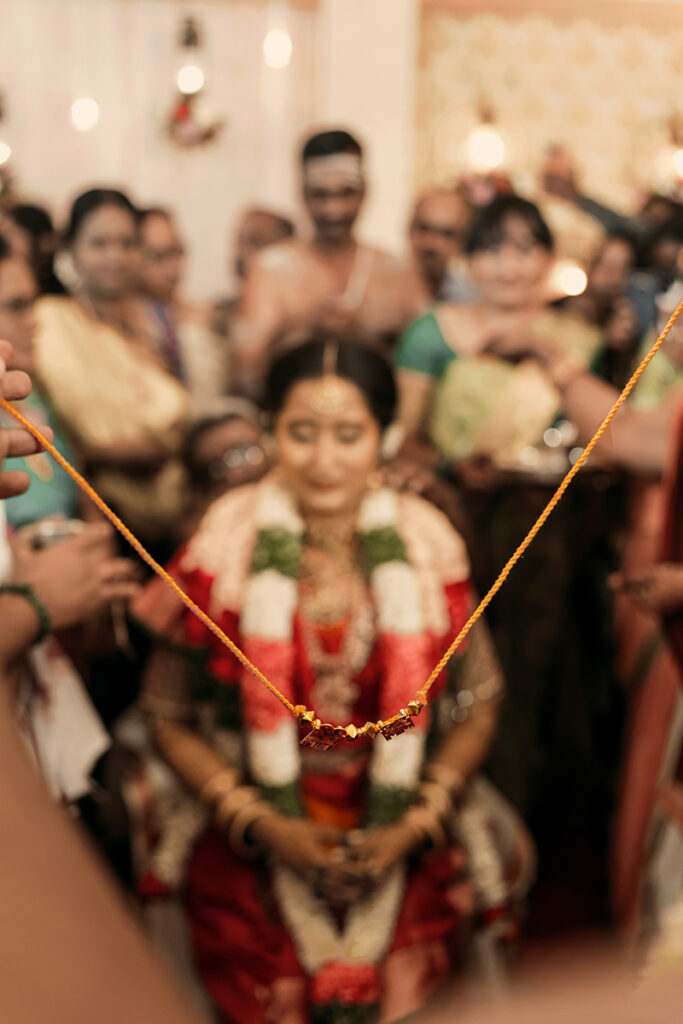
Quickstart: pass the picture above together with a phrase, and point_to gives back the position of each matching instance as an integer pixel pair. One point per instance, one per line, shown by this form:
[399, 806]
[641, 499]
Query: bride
[327, 885]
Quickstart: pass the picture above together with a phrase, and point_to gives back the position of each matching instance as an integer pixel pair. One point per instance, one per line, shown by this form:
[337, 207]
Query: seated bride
[325, 885]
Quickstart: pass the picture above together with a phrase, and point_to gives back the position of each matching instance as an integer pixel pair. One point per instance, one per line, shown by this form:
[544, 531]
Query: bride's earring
[392, 441]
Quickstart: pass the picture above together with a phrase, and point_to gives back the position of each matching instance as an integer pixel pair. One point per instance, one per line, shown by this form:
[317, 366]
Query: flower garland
[343, 963]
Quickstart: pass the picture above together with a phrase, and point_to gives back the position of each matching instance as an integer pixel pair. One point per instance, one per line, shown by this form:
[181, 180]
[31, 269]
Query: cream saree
[485, 406]
[106, 390]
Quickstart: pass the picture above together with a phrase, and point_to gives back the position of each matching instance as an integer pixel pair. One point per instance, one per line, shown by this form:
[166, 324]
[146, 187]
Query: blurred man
[189, 346]
[437, 231]
[256, 229]
[331, 281]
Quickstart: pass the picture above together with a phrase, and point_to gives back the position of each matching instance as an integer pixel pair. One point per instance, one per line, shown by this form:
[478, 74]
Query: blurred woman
[329, 887]
[497, 430]
[52, 492]
[97, 361]
[645, 439]
[469, 403]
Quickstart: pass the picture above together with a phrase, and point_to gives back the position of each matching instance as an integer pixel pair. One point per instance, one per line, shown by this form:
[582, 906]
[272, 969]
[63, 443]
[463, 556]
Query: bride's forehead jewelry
[330, 396]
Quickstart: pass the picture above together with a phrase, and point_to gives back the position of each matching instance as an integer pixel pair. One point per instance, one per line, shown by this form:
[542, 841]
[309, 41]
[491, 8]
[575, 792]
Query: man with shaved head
[437, 230]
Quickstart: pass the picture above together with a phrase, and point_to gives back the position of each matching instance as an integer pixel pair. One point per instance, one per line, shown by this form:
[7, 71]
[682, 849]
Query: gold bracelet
[231, 803]
[435, 796]
[219, 785]
[427, 824]
[242, 821]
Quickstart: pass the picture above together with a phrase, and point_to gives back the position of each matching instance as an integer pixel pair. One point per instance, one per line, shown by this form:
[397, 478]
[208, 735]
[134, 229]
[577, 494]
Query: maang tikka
[330, 396]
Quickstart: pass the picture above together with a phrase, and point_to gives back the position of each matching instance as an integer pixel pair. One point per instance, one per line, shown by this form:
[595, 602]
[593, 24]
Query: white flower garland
[367, 933]
[268, 613]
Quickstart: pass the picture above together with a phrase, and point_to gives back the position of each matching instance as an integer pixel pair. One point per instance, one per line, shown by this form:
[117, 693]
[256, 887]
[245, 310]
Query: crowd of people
[334, 462]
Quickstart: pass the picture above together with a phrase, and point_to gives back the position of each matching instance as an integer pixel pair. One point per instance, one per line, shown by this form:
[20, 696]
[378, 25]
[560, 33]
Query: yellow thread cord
[143, 553]
[476, 614]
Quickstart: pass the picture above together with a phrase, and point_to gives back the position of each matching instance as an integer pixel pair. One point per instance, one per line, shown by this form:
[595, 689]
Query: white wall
[367, 62]
[124, 54]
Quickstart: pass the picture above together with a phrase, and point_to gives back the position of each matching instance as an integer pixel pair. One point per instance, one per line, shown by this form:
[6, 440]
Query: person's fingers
[124, 590]
[20, 443]
[13, 482]
[94, 535]
[16, 385]
[119, 570]
[328, 834]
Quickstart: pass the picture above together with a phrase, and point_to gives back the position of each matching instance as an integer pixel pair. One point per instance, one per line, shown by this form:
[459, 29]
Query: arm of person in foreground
[69, 951]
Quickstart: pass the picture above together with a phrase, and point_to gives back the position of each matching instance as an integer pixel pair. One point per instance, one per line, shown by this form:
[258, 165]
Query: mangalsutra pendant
[398, 725]
[322, 736]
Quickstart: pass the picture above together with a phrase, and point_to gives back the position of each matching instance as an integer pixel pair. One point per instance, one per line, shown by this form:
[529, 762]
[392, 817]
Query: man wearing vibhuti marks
[330, 281]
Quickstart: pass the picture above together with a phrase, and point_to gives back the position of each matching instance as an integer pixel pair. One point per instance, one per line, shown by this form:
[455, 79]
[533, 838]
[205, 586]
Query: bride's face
[327, 455]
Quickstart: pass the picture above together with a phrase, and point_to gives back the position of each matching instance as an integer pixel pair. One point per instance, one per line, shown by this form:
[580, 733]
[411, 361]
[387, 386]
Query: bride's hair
[364, 367]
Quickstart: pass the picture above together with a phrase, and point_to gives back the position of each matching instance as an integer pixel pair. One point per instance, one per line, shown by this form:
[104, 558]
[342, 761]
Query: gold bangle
[231, 803]
[427, 825]
[218, 786]
[436, 797]
[242, 821]
[451, 779]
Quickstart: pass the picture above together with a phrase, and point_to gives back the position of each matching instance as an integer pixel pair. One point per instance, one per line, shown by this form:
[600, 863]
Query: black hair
[329, 143]
[90, 201]
[34, 219]
[488, 227]
[363, 366]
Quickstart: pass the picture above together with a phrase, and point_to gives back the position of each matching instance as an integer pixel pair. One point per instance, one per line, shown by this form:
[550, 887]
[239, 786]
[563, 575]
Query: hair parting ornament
[330, 396]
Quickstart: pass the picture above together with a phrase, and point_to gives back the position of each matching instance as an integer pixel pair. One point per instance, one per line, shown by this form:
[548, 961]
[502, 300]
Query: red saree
[244, 950]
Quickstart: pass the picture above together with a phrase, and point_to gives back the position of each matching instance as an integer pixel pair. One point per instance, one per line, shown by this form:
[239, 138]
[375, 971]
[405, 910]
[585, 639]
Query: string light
[5, 153]
[485, 149]
[190, 79]
[277, 48]
[85, 113]
[568, 278]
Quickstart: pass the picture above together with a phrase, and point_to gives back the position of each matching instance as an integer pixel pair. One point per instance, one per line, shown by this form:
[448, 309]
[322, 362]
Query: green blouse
[423, 348]
[483, 405]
